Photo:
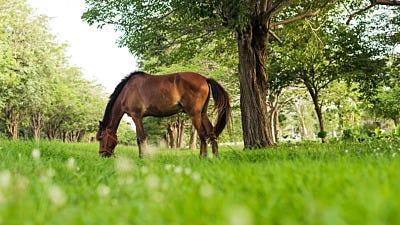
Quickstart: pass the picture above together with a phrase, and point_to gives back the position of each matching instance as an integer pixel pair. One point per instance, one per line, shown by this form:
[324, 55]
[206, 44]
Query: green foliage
[40, 94]
[385, 104]
[126, 134]
[322, 134]
[307, 183]
[171, 31]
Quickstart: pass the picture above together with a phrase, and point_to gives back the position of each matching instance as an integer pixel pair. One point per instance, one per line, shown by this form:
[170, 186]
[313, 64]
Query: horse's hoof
[105, 155]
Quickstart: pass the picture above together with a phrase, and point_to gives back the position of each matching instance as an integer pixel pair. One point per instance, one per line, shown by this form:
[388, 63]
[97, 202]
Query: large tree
[173, 30]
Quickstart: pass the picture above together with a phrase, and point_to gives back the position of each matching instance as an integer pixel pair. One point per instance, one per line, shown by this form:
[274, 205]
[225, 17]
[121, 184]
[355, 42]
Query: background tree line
[41, 95]
[318, 74]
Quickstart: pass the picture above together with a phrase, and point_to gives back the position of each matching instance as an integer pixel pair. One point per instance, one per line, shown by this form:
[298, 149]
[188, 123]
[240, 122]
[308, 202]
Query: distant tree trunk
[193, 138]
[36, 124]
[13, 130]
[275, 124]
[181, 132]
[12, 124]
[303, 127]
[80, 136]
[172, 134]
[52, 127]
[314, 93]
[273, 115]
[256, 127]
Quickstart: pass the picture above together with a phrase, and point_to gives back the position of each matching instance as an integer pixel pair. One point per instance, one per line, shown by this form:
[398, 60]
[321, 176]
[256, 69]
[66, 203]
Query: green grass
[306, 183]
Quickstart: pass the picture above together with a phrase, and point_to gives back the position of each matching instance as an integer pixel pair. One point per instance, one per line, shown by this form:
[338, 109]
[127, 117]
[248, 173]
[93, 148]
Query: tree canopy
[41, 95]
[175, 31]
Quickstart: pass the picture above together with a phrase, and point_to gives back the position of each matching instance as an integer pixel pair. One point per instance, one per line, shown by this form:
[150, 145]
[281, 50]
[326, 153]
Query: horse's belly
[162, 110]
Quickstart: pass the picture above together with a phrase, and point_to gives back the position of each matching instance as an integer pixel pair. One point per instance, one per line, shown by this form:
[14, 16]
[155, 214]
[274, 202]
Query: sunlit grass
[308, 183]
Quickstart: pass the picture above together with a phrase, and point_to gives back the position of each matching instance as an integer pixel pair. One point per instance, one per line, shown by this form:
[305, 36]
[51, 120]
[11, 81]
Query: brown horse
[140, 95]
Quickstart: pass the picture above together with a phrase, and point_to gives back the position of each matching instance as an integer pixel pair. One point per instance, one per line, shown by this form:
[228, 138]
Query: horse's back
[164, 95]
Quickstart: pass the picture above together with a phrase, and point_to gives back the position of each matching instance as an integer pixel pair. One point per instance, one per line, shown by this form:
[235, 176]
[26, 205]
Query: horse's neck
[115, 120]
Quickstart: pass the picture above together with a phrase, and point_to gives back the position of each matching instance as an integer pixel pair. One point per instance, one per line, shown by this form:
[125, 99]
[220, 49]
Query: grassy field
[57, 183]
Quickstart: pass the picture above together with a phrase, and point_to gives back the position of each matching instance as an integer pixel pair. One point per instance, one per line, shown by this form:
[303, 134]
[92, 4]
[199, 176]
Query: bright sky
[94, 51]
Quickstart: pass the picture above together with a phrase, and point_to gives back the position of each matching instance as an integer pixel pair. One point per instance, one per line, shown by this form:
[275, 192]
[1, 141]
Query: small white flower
[71, 163]
[56, 195]
[5, 179]
[178, 170]
[188, 171]
[168, 167]
[152, 181]
[123, 165]
[103, 190]
[196, 176]
[36, 154]
[239, 215]
[206, 190]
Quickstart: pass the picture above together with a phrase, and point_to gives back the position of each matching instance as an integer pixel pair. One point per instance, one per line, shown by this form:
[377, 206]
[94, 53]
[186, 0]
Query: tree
[175, 29]
[386, 103]
[39, 91]
[23, 38]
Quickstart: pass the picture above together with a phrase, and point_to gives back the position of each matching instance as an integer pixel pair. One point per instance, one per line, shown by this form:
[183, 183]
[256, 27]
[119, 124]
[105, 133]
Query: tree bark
[193, 138]
[253, 80]
[13, 124]
[172, 134]
[36, 125]
[181, 132]
[318, 110]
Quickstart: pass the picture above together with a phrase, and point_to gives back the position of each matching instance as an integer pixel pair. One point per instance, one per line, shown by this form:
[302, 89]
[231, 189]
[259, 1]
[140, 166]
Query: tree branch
[275, 36]
[278, 7]
[386, 2]
[295, 18]
[372, 4]
[359, 12]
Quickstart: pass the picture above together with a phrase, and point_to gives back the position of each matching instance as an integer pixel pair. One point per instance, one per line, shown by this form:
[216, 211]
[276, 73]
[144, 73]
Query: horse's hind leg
[197, 123]
[210, 134]
[140, 136]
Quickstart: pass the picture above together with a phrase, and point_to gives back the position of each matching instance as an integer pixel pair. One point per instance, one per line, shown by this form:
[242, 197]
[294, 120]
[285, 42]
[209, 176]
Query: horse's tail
[221, 104]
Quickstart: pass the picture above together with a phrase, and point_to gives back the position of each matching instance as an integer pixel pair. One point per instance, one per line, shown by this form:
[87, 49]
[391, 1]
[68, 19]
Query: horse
[140, 94]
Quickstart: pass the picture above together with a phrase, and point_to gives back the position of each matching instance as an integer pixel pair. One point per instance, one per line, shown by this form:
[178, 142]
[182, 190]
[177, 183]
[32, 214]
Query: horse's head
[108, 140]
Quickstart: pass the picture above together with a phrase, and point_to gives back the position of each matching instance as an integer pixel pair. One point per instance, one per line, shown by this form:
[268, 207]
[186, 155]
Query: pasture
[306, 183]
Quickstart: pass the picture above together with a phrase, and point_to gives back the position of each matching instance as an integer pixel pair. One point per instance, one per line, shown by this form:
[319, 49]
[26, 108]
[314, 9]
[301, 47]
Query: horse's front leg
[140, 136]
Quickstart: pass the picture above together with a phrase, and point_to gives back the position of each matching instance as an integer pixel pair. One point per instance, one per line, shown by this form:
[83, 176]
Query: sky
[94, 51]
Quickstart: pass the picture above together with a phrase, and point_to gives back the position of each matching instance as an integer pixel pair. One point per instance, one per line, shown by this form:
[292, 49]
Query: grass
[308, 183]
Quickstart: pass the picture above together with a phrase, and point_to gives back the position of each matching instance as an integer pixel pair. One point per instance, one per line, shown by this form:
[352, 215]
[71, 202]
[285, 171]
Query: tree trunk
[172, 134]
[13, 125]
[300, 114]
[273, 101]
[181, 132]
[36, 125]
[253, 80]
[318, 110]
[193, 138]
[275, 124]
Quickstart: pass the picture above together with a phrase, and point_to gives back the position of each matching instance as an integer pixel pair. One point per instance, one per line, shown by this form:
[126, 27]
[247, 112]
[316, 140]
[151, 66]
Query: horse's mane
[115, 94]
